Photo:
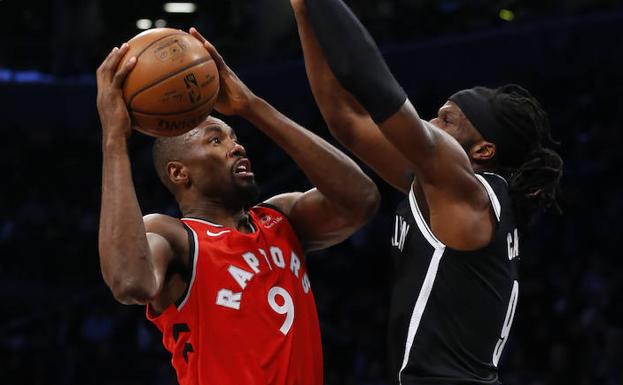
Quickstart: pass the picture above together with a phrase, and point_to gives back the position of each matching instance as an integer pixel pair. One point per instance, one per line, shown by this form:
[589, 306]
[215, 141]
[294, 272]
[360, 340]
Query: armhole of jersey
[264, 204]
[277, 209]
[495, 203]
[421, 223]
[193, 254]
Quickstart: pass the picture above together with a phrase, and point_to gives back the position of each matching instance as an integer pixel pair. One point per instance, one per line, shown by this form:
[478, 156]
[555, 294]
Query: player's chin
[246, 191]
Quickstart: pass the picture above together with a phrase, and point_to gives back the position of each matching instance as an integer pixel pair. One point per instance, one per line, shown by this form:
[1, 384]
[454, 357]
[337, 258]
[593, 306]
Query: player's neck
[479, 167]
[216, 212]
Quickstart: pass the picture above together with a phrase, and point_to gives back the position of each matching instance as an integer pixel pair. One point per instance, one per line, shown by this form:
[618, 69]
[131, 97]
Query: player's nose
[237, 151]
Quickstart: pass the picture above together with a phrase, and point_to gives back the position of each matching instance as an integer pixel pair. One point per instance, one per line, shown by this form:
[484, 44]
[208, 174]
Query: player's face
[451, 119]
[218, 165]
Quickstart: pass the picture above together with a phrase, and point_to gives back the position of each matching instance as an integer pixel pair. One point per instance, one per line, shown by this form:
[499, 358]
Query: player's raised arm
[133, 261]
[357, 64]
[344, 197]
[347, 120]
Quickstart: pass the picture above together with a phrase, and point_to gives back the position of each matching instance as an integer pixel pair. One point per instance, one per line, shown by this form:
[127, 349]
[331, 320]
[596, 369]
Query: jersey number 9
[286, 308]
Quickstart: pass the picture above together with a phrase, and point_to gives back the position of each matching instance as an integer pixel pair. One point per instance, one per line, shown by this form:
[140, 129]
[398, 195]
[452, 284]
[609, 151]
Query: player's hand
[234, 96]
[111, 107]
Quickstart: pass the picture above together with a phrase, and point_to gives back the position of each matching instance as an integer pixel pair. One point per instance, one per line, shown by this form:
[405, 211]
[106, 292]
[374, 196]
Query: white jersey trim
[194, 271]
[497, 209]
[420, 306]
[498, 175]
[421, 223]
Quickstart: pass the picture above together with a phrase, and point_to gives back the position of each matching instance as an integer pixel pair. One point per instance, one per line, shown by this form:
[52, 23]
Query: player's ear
[482, 151]
[177, 173]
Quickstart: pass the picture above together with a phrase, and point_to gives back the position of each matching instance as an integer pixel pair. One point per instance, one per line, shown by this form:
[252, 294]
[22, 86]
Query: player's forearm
[359, 67]
[338, 108]
[354, 58]
[337, 176]
[123, 247]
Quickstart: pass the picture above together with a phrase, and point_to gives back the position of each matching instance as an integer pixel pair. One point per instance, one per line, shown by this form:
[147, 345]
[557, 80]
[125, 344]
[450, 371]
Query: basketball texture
[173, 85]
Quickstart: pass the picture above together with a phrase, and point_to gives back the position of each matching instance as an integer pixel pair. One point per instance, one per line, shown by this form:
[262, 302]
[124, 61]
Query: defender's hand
[234, 96]
[111, 107]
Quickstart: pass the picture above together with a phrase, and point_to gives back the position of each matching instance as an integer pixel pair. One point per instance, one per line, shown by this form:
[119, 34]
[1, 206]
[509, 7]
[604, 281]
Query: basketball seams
[176, 112]
[156, 90]
[162, 78]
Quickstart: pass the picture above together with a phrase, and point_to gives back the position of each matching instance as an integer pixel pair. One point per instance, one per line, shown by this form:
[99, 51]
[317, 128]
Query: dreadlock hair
[532, 169]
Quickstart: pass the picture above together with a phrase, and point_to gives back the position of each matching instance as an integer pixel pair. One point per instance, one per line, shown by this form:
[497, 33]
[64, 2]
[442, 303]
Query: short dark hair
[165, 150]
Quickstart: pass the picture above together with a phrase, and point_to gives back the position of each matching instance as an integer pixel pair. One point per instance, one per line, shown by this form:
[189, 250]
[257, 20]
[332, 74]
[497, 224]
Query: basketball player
[473, 176]
[227, 285]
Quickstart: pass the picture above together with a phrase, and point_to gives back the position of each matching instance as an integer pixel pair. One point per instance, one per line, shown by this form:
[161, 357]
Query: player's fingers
[112, 61]
[218, 59]
[123, 71]
[104, 69]
[193, 31]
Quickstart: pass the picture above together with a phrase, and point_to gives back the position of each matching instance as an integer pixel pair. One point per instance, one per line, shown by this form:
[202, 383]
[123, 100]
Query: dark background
[59, 323]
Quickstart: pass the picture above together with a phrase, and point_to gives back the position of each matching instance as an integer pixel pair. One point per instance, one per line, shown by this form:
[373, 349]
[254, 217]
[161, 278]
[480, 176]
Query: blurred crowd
[65, 37]
[60, 324]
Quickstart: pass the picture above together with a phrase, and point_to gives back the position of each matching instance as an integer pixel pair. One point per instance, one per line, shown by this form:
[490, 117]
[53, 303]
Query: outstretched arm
[344, 197]
[446, 180]
[133, 261]
[347, 120]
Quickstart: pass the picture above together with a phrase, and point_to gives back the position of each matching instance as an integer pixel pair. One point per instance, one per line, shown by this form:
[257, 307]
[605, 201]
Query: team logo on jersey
[218, 233]
[269, 221]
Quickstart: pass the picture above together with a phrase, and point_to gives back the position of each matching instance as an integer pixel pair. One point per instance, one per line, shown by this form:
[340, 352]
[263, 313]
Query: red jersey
[248, 316]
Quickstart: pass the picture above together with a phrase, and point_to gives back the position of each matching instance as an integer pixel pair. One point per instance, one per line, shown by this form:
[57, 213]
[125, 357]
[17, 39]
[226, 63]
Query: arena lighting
[160, 23]
[143, 23]
[180, 7]
[507, 15]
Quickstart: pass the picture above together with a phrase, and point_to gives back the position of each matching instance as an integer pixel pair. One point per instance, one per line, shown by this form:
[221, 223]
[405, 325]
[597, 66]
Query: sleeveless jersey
[248, 316]
[451, 311]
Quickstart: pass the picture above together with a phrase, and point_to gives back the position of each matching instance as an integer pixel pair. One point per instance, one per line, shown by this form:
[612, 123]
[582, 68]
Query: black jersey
[451, 311]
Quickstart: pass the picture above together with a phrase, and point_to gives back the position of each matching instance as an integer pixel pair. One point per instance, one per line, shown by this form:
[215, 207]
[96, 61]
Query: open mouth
[243, 168]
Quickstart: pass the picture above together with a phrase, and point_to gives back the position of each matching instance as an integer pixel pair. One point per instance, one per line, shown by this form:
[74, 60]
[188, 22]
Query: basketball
[173, 85]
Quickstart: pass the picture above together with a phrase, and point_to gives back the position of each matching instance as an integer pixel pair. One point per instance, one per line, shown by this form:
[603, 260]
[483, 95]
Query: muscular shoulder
[161, 222]
[284, 202]
[169, 228]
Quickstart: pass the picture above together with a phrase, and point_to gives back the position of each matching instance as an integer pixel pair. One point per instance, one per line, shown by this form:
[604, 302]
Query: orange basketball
[173, 85]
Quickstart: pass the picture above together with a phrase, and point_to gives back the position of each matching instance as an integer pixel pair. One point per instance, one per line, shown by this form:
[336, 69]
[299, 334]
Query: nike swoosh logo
[216, 234]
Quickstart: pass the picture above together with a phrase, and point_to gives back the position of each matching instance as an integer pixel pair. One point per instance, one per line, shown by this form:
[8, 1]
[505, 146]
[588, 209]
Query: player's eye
[215, 140]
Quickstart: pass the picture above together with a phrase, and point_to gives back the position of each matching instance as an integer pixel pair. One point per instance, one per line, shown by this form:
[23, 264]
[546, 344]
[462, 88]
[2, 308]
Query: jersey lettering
[228, 299]
[277, 256]
[508, 321]
[240, 275]
[401, 228]
[265, 257]
[295, 264]
[513, 245]
[231, 299]
[305, 283]
[287, 308]
[252, 261]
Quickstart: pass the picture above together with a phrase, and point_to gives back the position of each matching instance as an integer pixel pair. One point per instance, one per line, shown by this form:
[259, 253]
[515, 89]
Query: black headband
[476, 103]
